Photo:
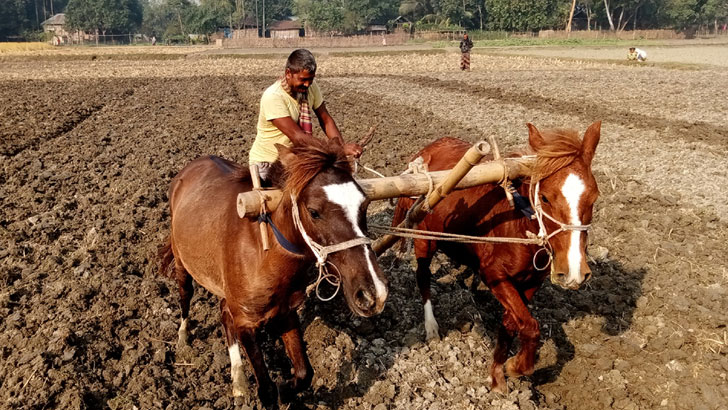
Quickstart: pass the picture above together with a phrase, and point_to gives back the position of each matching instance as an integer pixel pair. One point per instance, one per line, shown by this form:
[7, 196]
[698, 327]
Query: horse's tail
[400, 213]
[166, 256]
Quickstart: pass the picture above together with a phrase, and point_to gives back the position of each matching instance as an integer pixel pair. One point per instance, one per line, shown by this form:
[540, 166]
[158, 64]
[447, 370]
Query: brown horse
[322, 219]
[564, 191]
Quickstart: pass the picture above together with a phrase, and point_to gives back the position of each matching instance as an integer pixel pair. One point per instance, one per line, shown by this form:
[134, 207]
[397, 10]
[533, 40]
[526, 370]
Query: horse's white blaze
[572, 190]
[349, 198]
[431, 327]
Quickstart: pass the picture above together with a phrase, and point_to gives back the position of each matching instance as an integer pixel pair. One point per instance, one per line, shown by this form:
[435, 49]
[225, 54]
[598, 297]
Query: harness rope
[322, 252]
[541, 239]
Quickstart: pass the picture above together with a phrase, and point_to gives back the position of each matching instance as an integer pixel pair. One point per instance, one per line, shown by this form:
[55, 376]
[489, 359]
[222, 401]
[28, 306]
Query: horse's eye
[544, 200]
[314, 213]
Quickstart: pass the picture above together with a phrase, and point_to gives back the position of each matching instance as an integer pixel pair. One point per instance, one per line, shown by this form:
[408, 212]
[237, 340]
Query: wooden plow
[432, 187]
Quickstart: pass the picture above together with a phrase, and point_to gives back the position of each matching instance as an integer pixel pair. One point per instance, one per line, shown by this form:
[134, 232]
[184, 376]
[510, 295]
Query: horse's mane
[310, 159]
[561, 147]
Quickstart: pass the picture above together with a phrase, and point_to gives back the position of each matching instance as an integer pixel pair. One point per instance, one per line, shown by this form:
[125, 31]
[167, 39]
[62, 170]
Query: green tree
[526, 15]
[106, 16]
[156, 17]
[326, 15]
[24, 17]
[346, 16]
[13, 18]
[685, 14]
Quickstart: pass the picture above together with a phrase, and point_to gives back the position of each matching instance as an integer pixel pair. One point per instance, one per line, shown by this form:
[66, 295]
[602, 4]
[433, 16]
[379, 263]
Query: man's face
[300, 81]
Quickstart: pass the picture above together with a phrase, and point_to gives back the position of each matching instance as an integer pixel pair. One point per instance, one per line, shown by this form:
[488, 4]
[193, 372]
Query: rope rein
[321, 253]
[541, 239]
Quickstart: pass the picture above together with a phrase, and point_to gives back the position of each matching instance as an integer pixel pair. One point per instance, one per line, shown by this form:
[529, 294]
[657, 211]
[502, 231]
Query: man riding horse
[285, 114]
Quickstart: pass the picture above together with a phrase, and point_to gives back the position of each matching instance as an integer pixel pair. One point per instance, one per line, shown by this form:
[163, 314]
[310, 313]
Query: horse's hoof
[240, 383]
[434, 335]
[432, 331]
[499, 386]
[269, 397]
[287, 392]
[182, 335]
[511, 368]
[512, 371]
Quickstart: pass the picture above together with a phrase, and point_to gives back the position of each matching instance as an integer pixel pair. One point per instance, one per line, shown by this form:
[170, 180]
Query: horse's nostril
[364, 299]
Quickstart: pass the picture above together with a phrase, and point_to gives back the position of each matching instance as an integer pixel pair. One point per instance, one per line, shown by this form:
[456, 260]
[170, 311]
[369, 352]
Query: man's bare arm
[327, 123]
[332, 131]
[292, 130]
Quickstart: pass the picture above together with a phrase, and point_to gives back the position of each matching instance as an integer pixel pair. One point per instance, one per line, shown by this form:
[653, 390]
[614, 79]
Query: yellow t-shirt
[276, 103]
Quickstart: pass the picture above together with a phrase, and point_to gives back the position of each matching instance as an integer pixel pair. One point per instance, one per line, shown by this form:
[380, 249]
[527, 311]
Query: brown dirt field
[88, 148]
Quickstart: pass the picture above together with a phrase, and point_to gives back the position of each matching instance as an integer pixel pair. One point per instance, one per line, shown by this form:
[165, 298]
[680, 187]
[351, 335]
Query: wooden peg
[255, 177]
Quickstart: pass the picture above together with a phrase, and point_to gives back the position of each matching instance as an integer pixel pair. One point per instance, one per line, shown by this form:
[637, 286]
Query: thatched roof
[57, 20]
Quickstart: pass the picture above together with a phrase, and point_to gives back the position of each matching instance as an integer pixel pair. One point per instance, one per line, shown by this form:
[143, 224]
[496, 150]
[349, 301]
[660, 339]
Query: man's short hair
[300, 60]
[631, 48]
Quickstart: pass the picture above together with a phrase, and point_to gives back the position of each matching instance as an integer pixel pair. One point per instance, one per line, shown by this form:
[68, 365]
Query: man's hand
[353, 149]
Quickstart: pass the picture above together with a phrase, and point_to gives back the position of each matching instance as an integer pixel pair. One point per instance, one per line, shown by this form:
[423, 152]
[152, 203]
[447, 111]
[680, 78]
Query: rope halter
[322, 253]
[543, 235]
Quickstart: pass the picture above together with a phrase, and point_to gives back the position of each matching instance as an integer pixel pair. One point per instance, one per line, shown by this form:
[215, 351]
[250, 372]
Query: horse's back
[209, 171]
[204, 216]
[480, 210]
[444, 153]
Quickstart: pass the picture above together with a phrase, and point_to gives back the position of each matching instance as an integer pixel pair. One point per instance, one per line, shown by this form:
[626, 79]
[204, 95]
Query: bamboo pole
[420, 209]
[249, 204]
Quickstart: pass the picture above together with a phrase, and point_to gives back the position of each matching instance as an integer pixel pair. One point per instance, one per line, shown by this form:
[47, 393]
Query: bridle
[543, 235]
[322, 252]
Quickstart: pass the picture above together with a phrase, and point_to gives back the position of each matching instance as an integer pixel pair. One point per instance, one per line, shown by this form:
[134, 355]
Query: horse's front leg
[296, 350]
[517, 319]
[267, 390]
[500, 354]
[424, 250]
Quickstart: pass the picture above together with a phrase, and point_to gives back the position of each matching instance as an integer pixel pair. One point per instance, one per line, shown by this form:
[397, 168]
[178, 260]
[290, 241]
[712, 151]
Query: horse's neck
[282, 217]
[525, 191]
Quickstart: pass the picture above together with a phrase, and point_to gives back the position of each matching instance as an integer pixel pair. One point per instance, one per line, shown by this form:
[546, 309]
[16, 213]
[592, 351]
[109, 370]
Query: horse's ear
[535, 139]
[591, 139]
[285, 155]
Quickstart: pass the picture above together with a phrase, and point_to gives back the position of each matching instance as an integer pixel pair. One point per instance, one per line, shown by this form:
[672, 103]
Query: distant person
[635, 54]
[154, 40]
[465, 46]
[285, 114]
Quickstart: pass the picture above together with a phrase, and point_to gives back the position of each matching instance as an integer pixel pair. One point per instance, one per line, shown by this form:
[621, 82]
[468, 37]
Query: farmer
[465, 46]
[635, 54]
[285, 114]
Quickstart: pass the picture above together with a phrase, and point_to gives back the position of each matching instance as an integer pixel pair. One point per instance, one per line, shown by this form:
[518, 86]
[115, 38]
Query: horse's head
[332, 213]
[564, 191]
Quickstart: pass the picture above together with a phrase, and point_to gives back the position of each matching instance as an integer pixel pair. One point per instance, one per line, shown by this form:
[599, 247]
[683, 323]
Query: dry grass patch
[23, 47]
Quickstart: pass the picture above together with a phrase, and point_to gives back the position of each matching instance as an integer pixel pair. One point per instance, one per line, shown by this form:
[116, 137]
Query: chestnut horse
[564, 191]
[322, 219]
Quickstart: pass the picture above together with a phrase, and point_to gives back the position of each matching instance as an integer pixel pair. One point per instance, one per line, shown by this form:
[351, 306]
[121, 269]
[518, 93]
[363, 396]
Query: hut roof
[57, 20]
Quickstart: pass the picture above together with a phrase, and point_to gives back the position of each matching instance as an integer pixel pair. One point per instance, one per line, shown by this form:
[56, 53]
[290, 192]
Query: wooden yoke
[249, 203]
[420, 209]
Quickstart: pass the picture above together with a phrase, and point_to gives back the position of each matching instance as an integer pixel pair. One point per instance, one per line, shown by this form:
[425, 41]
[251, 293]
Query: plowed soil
[88, 148]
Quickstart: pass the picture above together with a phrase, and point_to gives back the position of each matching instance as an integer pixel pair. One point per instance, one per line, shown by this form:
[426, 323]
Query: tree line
[170, 18]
